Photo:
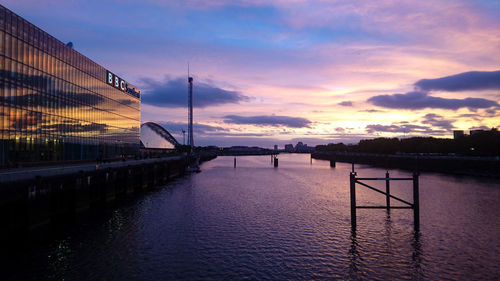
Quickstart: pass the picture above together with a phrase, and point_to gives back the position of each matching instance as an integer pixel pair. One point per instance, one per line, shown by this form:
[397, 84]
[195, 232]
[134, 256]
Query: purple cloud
[485, 128]
[176, 127]
[173, 93]
[492, 111]
[370, 110]
[419, 100]
[345, 103]
[467, 81]
[378, 128]
[438, 121]
[269, 120]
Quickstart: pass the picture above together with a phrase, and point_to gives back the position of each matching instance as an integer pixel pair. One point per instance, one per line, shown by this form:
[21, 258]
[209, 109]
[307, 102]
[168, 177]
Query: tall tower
[190, 117]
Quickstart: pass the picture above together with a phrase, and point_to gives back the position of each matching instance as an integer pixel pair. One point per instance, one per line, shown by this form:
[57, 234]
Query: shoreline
[457, 165]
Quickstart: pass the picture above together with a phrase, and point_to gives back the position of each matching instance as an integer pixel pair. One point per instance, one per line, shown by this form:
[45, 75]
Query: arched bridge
[155, 136]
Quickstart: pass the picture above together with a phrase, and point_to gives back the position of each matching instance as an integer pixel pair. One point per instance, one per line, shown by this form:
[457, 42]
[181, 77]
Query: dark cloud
[467, 81]
[345, 103]
[378, 128]
[340, 130]
[374, 128]
[371, 110]
[492, 111]
[485, 128]
[419, 100]
[469, 115]
[269, 120]
[173, 93]
[236, 135]
[438, 121]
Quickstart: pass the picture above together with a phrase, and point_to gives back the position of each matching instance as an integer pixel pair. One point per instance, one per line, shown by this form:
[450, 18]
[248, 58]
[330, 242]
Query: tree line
[481, 143]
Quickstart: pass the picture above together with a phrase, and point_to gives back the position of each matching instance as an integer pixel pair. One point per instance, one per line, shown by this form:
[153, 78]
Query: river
[258, 222]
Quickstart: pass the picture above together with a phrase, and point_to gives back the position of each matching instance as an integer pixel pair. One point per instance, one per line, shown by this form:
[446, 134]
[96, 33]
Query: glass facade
[58, 105]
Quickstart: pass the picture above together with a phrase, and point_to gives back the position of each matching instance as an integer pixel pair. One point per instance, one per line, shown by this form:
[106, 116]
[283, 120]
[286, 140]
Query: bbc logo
[116, 81]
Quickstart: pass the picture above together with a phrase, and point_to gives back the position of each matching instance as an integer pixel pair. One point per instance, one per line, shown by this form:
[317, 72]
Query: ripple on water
[257, 222]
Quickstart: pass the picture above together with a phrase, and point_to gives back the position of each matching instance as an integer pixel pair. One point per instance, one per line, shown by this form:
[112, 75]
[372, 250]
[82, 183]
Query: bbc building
[57, 105]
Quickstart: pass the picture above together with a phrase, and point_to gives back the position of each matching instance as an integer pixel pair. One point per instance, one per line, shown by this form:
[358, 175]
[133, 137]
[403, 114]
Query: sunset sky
[277, 72]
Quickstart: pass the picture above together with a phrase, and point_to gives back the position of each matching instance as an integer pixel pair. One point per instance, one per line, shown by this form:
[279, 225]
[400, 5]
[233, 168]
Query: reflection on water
[59, 259]
[354, 256]
[292, 222]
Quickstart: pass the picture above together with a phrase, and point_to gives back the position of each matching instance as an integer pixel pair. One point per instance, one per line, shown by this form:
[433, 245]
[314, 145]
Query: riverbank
[458, 165]
[38, 197]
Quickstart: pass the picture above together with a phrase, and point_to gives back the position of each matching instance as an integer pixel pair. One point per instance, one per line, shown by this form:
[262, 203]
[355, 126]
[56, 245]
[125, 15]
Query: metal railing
[415, 205]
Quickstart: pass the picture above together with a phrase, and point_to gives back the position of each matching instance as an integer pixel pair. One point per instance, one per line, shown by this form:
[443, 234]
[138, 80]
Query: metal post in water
[190, 112]
[275, 161]
[387, 191]
[416, 202]
[235, 162]
[353, 199]
[332, 163]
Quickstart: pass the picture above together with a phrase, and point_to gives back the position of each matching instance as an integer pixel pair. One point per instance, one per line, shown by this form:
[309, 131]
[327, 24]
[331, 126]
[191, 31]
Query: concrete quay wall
[31, 200]
[470, 166]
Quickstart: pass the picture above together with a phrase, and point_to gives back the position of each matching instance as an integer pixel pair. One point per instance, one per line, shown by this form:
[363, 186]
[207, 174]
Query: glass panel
[2, 107]
[13, 24]
[19, 27]
[2, 18]
[8, 43]
[30, 55]
[36, 37]
[25, 53]
[8, 21]
[26, 27]
[31, 34]
[2, 42]
[20, 50]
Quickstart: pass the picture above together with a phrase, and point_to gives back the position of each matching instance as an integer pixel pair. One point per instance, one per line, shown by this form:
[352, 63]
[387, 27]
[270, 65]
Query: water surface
[291, 222]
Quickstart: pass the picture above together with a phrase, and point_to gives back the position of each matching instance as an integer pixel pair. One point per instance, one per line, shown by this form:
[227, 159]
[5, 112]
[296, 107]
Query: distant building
[458, 134]
[289, 148]
[302, 147]
[473, 132]
[275, 147]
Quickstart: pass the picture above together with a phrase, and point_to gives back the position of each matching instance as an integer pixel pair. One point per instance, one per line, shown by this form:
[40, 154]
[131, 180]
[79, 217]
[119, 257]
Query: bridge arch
[155, 136]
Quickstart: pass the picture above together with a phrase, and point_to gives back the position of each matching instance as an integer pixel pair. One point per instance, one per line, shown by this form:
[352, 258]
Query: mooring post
[275, 161]
[353, 199]
[416, 202]
[235, 162]
[387, 191]
[332, 163]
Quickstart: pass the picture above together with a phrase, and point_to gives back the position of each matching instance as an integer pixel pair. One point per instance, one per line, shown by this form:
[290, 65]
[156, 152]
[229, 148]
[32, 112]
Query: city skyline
[289, 71]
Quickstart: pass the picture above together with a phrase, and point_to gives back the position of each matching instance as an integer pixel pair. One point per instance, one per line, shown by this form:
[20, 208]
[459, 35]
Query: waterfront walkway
[17, 174]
